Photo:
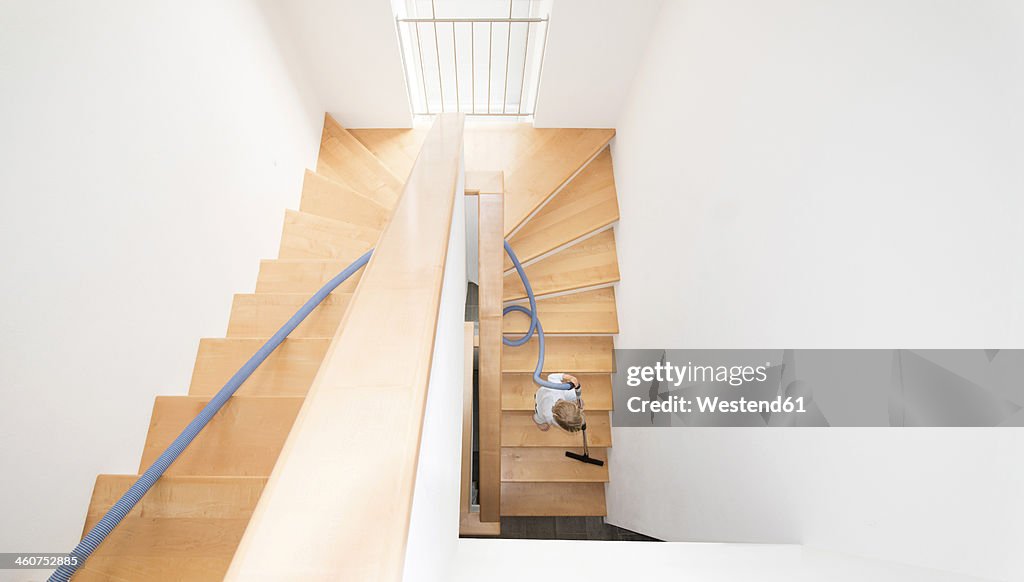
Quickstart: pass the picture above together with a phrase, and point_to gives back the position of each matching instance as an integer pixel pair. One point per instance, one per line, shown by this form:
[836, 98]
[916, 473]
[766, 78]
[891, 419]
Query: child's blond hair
[567, 415]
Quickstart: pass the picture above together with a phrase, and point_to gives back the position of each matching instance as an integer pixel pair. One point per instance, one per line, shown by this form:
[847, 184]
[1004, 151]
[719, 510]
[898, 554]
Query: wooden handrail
[491, 257]
[337, 505]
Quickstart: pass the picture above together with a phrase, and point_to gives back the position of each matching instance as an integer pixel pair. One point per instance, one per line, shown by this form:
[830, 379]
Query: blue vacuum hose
[535, 326]
[145, 482]
[124, 505]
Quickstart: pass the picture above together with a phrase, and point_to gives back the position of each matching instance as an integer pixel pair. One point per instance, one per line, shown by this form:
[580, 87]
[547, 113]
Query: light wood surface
[536, 162]
[188, 527]
[518, 390]
[483, 182]
[490, 252]
[179, 497]
[308, 236]
[541, 499]
[346, 161]
[304, 275]
[588, 312]
[471, 526]
[466, 484]
[536, 464]
[325, 197]
[288, 371]
[364, 412]
[244, 438]
[588, 203]
[262, 314]
[574, 354]
[396, 148]
[185, 528]
[587, 263]
[469, 520]
[519, 430]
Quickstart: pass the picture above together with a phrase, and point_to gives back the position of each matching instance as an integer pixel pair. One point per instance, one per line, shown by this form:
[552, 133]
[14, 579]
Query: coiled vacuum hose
[535, 325]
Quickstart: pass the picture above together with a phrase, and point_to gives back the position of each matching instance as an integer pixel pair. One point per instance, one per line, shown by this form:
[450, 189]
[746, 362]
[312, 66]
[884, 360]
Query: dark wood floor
[567, 528]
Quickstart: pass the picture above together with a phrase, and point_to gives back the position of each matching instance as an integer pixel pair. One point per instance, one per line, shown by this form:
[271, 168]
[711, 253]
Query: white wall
[434, 520]
[592, 54]
[148, 151]
[351, 49]
[826, 174]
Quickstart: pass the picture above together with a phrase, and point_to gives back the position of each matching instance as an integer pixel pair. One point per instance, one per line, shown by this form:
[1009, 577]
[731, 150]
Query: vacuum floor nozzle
[585, 458]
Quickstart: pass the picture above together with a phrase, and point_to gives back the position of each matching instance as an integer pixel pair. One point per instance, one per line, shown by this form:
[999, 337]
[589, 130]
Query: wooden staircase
[560, 204]
[559, 226]
[190, 523]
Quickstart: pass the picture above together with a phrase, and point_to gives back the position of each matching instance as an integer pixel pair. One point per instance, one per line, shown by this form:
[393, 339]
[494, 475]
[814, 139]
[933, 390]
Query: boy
[561, 407]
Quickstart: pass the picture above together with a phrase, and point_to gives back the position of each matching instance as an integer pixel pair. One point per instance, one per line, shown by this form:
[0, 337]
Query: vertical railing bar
[540, 68]
[508, 51]
[490, 50]
[522, 80]
[472, 65]
[405, 64]
[455, 58]
[437, 55]
[423, 72]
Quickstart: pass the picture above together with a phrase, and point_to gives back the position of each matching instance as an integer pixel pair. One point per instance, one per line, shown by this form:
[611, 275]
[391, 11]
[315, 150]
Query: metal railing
[462, 64]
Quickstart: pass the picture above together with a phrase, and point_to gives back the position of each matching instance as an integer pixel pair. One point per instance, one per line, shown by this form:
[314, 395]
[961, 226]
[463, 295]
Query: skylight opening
[479, 57]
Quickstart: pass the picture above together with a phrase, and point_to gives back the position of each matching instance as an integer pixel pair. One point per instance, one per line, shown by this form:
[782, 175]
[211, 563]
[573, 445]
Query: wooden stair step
[518, 390]
[185, 528]
[347, 161]
[396, 148]
[288, 371]
[519, 430]
[552, 499]
[539, 465]
[263, 314]
[587, 204]
[536, 162]
[578, 313]
[325, 197]
[309, 236]
[179, 497]
[304, 275]
[570, 354]
[244, 438]
[586, 263]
